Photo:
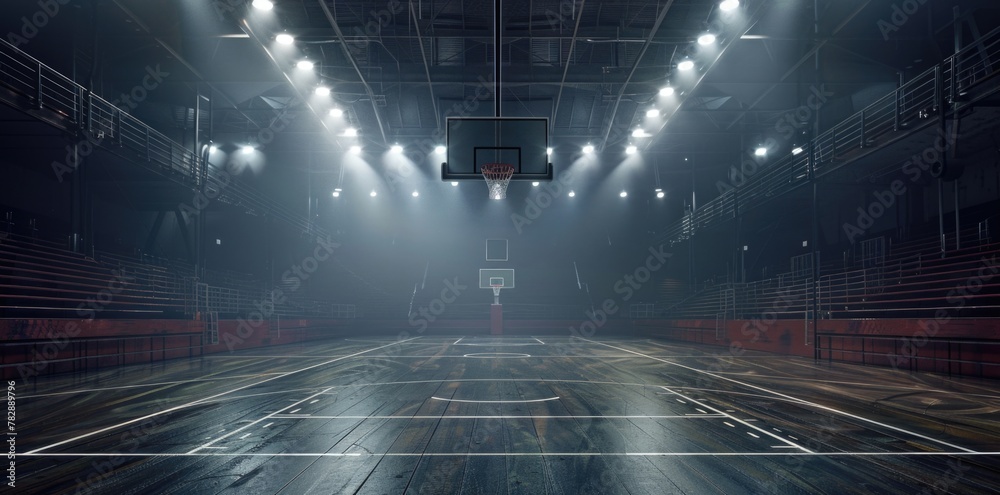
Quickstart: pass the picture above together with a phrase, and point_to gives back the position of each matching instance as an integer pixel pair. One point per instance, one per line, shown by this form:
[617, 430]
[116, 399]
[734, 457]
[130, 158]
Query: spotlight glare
[762, 151]
[729, 5]
[336, 112]
[588, 148]
[396, 148]
[351, 132]
[666, 91]
[440, 150]
[798, 151]
[534, 184]
[454, 183]
[336, 194]
[631, 150]
[305, 65]
[660, 194]
[355, 150]
[685, 65]
[706, 39]
[285, 39]
[639, 133]
[322, 91]
[623, 194]
[652, 113]
[213, 148]
[548, 151]
[373, 193]
[263, 4]
[572, 194]
[247, 149]
[416, 194]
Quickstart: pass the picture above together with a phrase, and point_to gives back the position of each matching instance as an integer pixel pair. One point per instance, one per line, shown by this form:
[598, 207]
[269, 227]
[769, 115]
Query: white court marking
[199, 401]
[496, 355]
[156, 384]
[517, 454]
[355, 418]
[519, 401]
[794, 399]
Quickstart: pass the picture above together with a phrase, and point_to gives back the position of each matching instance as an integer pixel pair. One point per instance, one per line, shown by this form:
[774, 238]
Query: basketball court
[512, 414]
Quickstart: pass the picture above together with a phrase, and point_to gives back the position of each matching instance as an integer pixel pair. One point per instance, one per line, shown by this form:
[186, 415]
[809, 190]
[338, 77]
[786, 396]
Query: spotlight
[322, 91]
[653, 113]
[336, 194]
[588, 148]
[623, 194]
[631, 150]
[373, 193]
[534, 184]
[263, 4]
[305, 65]
[454, 183]
[660, 194]
[440, 150]
[336, 112]
[729, 5]
[415, 194]
[685, 65]
[396, 148]
[798, 151]
[351, 132]
[572, 194]
[355, 150]
[639, 133]
[213, 148]
[285, 39]
[762, 151]
[706, 39]
[247, 149]
[666, 91]
[548, 151]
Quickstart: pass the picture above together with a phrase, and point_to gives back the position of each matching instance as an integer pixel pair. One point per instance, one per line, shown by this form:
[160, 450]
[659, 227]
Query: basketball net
[497, 177]
[496, 293]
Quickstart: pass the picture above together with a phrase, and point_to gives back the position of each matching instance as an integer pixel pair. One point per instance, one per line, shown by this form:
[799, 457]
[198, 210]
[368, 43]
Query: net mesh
[497, 177]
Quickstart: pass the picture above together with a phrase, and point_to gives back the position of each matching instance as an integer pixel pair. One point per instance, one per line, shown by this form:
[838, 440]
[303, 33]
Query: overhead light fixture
[548, 151]
[685, 65]
[285, 39]
[639, 133]
[660, 194]
[631, 150]
[798, 151]
[454, 183]
[666, 91]
[572, 194]
[440, 150]
[247, 149]
[213, 148]
[534, 184]
[322, 91]
[351, 132]
[263, 4]
[762, 151]
[652, 113]
[706, 39]
[305, 65]
[373, 193]
[396, 148]
[415, 194]
[337, 112]
[588, 148]
[729, 5]
[355, 150]
[336, 193]
[623, 194]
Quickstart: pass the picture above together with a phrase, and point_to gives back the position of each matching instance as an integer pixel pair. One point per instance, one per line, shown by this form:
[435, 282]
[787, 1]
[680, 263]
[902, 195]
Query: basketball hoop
[496, 292]
[497, 177]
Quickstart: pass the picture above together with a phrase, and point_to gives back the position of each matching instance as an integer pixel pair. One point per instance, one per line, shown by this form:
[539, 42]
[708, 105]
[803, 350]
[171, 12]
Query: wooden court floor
[505, 415]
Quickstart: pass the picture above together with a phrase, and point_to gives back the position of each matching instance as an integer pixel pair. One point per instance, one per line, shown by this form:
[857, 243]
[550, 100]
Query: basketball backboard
[496, 249]
[492, 277]
[518, 141]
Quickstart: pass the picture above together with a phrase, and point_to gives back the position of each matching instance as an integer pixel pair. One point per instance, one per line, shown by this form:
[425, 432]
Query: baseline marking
[522, 401]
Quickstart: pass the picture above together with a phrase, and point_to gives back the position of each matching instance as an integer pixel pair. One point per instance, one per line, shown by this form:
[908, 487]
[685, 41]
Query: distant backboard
[496, 250]
[489, 277]
[474, 141]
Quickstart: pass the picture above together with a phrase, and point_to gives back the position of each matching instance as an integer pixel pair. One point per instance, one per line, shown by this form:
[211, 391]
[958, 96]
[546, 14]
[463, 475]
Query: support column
[496, 319]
